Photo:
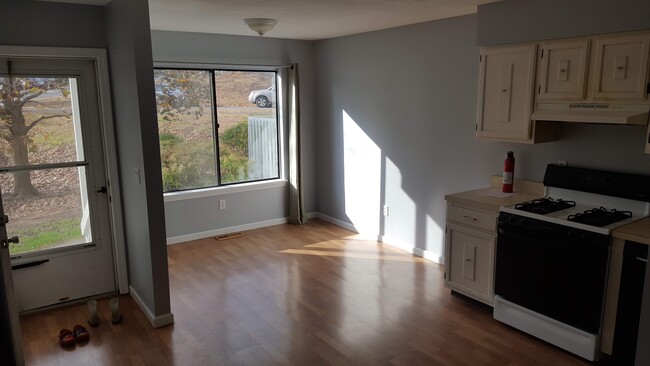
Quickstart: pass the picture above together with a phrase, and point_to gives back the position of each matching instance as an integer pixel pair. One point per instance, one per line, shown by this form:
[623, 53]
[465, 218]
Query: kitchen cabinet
[647, 141]
[470, 256]
[563, 70]
[471, 232]
[505, 96]
[621, 68]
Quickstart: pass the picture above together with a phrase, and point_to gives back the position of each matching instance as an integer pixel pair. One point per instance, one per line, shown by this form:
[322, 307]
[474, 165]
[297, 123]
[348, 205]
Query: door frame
[99, 58]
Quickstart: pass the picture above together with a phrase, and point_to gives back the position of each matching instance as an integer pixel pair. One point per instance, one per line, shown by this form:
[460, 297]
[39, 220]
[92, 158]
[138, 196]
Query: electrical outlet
[561, 162]
[386, 211]
[222, 204]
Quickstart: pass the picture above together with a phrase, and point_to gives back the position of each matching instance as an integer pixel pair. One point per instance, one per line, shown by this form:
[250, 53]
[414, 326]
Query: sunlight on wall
[402, 209]
[362, 172]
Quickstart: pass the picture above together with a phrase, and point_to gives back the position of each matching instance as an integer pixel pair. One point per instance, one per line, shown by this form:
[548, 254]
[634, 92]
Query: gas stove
[591, 203]
[552, 254]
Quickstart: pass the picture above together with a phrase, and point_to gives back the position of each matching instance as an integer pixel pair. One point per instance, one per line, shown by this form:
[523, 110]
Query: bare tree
[15, 94]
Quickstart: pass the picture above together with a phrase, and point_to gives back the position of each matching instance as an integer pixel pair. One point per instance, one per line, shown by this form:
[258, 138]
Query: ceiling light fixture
[260, 25]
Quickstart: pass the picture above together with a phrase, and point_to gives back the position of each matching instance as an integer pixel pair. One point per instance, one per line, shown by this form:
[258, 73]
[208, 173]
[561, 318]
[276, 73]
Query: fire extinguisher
[508, 172]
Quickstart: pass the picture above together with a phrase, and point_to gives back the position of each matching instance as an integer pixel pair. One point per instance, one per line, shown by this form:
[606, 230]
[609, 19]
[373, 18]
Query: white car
[264, 98]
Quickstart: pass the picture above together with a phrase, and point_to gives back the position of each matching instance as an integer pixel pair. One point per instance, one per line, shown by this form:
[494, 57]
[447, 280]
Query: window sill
[218, 191]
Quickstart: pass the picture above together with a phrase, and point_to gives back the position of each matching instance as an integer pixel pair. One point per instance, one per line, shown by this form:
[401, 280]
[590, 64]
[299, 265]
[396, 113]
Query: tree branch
[42, 118]
[30, 97]
[45, 105]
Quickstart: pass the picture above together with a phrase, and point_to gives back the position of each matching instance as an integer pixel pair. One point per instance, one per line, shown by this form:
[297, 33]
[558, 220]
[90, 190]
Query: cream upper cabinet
[621, 67]
[563, 70]
[505, 97]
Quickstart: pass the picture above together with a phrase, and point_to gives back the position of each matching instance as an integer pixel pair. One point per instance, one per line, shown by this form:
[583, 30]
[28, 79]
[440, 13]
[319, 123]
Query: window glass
[245, 142]
[247, 115]
[185, 128]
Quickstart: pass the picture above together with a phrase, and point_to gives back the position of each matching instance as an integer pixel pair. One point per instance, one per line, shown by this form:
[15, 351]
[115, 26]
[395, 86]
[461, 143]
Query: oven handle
[642, 259]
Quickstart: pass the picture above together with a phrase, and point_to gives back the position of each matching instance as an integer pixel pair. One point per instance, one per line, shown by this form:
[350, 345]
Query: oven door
[553, 270]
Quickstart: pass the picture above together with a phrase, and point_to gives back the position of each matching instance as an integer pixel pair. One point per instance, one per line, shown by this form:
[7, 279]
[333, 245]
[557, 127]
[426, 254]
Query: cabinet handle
[619, 67]
[562, 70]
[469, 218]
[470, 259]
[642, 259]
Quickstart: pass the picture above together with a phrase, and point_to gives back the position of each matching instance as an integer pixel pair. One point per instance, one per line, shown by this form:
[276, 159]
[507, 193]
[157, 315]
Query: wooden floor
[295, 295]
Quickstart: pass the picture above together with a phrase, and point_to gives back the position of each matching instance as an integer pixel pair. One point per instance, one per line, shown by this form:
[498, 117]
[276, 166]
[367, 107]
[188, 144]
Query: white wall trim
[219, 191]
[400, 244]
[226, 230]
[156, 321]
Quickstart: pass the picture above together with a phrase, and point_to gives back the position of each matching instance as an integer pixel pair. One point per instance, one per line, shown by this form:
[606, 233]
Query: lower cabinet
[470, 257]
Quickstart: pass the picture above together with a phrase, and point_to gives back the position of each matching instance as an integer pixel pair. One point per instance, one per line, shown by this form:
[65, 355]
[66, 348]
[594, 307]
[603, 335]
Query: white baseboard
[156, 321]
[226, 230]
[331, 220]
[400, 244]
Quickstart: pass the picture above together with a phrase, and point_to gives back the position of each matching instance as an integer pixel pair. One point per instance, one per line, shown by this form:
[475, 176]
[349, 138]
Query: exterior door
[11, 351]
[53, 180]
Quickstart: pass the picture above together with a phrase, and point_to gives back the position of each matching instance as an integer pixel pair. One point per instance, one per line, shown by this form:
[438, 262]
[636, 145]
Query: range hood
[592, 113]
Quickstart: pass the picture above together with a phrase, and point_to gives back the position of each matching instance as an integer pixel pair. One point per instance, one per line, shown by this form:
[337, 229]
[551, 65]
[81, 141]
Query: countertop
[638, 231]
[483, 199]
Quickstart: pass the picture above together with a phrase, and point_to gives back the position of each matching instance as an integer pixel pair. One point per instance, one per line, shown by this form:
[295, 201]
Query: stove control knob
[523, 221]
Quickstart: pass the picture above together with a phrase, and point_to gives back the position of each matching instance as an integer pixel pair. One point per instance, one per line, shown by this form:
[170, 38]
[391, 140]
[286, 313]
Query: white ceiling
[298, 19]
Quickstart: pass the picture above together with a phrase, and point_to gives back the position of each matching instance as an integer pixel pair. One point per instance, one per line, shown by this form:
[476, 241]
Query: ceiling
[297, 19]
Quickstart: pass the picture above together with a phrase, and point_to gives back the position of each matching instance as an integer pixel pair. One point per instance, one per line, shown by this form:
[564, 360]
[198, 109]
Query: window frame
[220, 187]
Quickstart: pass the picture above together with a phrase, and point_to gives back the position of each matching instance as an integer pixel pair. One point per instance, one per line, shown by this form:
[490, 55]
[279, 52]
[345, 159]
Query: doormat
[228, 236]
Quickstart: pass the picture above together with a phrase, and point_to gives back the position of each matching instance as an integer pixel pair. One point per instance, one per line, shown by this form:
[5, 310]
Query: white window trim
[223, 190]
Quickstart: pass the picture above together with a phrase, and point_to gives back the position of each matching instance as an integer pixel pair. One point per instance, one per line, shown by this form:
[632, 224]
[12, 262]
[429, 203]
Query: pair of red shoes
[69, 338]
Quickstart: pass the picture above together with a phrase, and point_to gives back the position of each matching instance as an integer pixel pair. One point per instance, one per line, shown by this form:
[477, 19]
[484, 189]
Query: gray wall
[244, 207]
[129, 46]
[514, 21]
[35, 23]
[412, 92]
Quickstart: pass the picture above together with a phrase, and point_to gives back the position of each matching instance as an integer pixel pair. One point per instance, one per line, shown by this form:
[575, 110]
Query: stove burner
[600, 216]
[544, 206]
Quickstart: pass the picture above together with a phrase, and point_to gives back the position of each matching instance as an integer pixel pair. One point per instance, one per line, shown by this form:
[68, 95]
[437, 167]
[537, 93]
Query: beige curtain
[296, 208]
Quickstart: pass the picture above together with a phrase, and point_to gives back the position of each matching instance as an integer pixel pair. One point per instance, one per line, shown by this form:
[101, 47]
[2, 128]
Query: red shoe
[80, 333]
[66, 338]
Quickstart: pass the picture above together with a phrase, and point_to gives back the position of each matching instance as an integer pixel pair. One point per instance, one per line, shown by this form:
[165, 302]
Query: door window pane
[248, 132]
[40, 122]
[56, 215]
[187, 147]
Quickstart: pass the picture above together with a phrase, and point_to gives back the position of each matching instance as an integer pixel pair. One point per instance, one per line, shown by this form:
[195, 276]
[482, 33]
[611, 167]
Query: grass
[45, 235]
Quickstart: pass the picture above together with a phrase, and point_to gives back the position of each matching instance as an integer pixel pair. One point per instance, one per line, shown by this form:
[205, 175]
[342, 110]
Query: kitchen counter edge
[525, 190]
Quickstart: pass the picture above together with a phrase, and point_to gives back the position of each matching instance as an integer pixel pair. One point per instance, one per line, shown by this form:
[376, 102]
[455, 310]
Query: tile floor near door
[295, 295]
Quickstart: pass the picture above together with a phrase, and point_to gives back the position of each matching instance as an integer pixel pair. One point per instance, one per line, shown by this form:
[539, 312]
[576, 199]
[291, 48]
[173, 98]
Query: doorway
[53, 181]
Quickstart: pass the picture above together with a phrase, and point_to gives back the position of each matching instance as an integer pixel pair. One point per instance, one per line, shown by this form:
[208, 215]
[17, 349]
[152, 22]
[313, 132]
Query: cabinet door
[470, 262]
[563, 71]
[647, 141]
[506, 83]
[621, 67]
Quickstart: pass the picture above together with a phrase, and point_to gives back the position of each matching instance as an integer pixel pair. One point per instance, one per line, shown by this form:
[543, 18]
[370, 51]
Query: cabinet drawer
[473, 218]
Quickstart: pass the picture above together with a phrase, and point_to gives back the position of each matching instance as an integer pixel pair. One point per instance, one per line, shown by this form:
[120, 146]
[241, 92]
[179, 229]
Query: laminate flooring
[295, 295]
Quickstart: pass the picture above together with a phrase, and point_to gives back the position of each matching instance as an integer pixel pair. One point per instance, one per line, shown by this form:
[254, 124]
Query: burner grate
[600, 216]
[545, 206]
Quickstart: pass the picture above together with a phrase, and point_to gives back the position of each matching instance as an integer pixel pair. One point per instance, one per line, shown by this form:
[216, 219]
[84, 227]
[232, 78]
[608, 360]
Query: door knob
[102, 190]
[13, 239]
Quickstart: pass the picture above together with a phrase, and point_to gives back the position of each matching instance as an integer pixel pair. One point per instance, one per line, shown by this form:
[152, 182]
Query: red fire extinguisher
[509, 172]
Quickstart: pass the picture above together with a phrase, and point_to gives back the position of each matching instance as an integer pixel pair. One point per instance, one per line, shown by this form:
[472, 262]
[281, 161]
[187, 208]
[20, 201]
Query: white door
[53, 181]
